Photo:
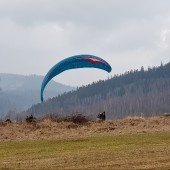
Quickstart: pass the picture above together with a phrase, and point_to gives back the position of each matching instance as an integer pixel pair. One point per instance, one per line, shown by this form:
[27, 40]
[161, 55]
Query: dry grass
[48, 129]
[132, 143]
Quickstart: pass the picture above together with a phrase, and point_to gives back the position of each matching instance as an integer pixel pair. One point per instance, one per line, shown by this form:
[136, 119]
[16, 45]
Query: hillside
[19, 92]
[134, 93]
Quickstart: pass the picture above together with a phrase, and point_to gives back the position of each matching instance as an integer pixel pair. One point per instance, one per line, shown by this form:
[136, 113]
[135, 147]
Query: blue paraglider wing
[78, 61]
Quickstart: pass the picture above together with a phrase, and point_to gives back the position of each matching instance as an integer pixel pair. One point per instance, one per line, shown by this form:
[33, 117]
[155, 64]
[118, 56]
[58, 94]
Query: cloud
[34, 35]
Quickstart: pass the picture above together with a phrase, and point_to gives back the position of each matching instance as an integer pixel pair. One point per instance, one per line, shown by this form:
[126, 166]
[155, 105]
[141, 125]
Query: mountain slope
[134, 93]
[19, 92]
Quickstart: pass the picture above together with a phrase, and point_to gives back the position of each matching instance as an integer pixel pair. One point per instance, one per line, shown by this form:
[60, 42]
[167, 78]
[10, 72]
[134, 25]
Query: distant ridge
[19, 92]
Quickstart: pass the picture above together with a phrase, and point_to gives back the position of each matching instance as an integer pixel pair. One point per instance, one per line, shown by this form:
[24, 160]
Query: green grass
[139, 151]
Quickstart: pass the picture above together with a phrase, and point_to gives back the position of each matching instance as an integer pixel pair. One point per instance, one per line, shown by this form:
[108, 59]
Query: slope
[134, 93]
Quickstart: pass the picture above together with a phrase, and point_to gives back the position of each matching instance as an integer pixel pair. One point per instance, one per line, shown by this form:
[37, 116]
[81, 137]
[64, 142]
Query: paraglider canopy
[74, 62]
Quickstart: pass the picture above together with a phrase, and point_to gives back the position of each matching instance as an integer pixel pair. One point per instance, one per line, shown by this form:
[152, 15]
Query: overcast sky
[36, 34]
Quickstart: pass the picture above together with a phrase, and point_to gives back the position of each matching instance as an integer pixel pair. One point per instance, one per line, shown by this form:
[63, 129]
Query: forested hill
[134, 93]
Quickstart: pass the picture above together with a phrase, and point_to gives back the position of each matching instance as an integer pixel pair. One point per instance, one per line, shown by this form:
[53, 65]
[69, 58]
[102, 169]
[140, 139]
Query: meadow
[99, 149]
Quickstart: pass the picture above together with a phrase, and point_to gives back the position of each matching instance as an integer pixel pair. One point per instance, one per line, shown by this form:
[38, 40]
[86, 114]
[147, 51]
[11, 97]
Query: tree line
[134, 93]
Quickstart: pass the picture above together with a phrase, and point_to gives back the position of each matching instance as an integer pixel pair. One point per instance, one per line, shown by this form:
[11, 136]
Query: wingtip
[110, 69]
[41, 99]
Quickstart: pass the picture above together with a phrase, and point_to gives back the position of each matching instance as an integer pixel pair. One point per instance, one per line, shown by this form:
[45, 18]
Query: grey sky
[36, 34]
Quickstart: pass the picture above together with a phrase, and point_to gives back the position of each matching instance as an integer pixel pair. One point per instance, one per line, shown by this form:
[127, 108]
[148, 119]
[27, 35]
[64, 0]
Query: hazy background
[36, 34]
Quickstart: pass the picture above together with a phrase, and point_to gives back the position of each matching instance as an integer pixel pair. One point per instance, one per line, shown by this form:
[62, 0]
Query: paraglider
[74, 62]
[101, 116]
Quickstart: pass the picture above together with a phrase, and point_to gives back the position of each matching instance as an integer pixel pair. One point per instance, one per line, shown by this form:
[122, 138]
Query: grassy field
[101, 151]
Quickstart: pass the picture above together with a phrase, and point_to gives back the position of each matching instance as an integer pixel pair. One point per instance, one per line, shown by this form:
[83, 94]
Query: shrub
[75, 118]
[166, 115]
[30, 119]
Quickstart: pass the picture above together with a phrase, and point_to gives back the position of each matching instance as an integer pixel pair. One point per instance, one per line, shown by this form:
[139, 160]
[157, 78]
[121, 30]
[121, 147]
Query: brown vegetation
[79, 126]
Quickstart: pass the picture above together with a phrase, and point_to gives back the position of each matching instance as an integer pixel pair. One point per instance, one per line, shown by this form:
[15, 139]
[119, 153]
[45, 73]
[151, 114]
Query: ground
[132, 143]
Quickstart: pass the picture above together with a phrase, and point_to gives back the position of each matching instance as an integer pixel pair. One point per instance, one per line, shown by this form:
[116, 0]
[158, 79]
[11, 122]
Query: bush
[30, 119]
[75, 118]
[166, 115]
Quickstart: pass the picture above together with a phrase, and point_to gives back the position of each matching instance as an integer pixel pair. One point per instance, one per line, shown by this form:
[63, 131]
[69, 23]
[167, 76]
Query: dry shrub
[8, 121]
[4, 123]
[30, 119]
[74, 118]
[166, 115]
[77, 119]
